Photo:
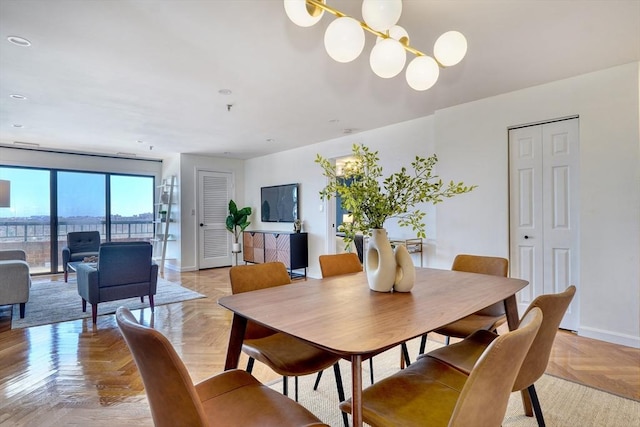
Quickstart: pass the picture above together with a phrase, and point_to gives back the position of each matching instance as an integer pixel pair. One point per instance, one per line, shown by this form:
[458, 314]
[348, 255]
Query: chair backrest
[554, 306]
[493, 266]
[337, 264]
[251, 277]
[83, 241]
[172, 396]
[484, 397]
[125, 263]
[13, 255]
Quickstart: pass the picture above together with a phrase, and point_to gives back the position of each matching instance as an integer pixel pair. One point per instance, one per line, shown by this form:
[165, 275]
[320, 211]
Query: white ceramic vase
[380, 262]
[235, 248]
[405, 270]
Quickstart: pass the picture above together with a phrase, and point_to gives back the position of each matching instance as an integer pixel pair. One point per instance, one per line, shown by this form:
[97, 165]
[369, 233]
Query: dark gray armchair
[124, 270]
[80, 244]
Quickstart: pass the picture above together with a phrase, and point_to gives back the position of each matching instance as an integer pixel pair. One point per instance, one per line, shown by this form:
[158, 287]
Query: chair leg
[295, 382]
[536, 405]
[336, 371]
[23, 306]
[423, 344]
[151, 302]
[285, 386]
[446, 340]
[315, 385]
[405, 354]
[84, 305]
[94, 313]
[250, 364]
[371, 369]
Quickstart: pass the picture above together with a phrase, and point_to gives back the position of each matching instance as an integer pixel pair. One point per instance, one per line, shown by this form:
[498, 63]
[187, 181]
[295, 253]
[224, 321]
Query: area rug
[57, 301]
[564, 403]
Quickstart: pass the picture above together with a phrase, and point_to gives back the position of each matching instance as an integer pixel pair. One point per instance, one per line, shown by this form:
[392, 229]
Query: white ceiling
[101, 75]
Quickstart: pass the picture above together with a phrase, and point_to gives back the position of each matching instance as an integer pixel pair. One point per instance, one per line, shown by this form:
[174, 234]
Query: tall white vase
[405, 270]
[380, 262]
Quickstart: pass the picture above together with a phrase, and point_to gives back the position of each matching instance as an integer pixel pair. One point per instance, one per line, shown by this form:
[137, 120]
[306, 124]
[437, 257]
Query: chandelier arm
[339, 14]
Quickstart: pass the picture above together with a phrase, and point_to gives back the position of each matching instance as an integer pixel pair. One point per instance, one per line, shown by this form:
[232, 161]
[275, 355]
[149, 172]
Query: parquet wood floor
[77, 373]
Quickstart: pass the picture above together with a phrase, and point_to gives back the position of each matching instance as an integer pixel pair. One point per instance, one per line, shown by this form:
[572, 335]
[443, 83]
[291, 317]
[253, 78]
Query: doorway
[214, 241]
[544, 214]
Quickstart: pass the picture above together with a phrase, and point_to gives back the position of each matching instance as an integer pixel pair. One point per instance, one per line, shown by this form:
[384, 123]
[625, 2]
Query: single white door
[214, 240]
[544, 228]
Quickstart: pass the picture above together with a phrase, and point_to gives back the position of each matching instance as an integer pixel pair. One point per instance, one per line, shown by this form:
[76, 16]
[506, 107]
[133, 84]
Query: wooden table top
[342, 315]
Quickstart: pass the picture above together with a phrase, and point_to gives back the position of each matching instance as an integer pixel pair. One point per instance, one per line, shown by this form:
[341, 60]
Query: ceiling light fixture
[344, 40]
[17, 96]
[19, 41]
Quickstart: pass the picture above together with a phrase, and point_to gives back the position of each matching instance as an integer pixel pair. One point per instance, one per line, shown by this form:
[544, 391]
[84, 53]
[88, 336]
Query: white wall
[471, 143]
[473, 140]
[189, 165]
[397, 145]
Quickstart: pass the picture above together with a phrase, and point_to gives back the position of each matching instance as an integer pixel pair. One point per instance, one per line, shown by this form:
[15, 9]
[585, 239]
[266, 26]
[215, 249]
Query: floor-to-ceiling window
[119, 206]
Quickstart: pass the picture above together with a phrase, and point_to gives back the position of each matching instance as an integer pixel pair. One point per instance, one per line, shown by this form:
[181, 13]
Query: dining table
[342, 315]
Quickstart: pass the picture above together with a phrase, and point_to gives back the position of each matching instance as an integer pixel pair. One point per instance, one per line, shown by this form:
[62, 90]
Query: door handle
[526, 237]
[201, 225]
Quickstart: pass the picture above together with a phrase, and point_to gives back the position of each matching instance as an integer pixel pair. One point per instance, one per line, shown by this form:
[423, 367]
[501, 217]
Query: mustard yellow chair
[463, 355]
[284, 354]
[430, 393]
[231, 398]
[488, 318]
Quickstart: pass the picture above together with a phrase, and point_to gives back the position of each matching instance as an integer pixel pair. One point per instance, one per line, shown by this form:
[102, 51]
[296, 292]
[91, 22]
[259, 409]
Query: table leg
[511, 310]
[356, 390]
[236, 337]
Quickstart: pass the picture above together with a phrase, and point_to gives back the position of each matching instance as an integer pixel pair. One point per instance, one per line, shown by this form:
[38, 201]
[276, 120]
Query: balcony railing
[34, 237]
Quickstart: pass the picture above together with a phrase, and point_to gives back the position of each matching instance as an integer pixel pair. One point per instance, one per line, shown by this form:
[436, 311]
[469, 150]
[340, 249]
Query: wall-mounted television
[279, 203]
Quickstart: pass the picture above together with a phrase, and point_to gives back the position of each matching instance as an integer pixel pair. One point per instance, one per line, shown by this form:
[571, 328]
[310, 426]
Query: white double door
[544, 215]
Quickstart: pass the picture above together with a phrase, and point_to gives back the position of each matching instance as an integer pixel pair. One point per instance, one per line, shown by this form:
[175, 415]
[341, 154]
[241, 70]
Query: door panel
[214, 241]
[544, 166]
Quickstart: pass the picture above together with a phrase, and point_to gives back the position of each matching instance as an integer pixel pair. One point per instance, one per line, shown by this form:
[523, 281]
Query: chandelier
[344, 40]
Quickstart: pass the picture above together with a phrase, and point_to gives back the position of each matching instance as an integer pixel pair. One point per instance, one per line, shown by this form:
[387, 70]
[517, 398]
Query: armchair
[123, 270]
[14, 279]
[80, 244]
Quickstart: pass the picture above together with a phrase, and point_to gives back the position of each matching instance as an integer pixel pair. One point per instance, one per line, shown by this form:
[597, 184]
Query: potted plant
[372, 200]
[163, 215]
[237, 222]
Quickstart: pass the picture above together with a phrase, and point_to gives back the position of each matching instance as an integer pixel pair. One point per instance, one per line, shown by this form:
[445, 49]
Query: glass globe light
[397, 33]
[450, 48]
[344, 39]
[301, 13]
[422, 72]
[381, 15]
[387, 58]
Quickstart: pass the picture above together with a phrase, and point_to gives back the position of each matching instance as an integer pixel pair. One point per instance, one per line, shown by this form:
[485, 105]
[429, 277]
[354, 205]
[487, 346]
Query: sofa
[15, 280]
[124, 270]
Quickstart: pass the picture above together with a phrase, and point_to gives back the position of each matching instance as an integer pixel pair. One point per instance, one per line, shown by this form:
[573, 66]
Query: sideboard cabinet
[268, 246]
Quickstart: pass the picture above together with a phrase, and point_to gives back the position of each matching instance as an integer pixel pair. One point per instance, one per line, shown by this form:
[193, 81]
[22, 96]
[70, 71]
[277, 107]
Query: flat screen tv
[279, 203]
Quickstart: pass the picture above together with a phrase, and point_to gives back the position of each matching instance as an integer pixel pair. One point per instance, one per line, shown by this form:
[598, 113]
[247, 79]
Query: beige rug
[56, 301]
[564, 403]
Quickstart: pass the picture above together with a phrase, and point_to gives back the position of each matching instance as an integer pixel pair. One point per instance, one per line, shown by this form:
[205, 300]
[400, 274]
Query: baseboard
[608, 336]
[179, 269]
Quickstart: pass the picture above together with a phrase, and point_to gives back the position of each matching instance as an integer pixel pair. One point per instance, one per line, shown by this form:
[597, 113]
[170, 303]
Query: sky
[79, 193]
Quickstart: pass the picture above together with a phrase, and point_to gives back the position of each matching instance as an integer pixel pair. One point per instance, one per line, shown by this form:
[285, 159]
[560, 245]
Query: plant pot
[235, 248]
[405, 270]
[380, 262]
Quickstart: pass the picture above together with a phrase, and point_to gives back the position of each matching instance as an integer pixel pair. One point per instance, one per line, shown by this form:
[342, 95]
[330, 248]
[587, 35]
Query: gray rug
[564, 403]
[57, 301]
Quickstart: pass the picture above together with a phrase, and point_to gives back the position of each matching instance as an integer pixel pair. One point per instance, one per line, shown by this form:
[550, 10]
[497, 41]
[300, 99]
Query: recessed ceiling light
[334, 120]
[139, 141]
[225, 92]
[26, 144]
[16, 125]
[17, 96]
[271, 140]
[19, 41]
[347, 131]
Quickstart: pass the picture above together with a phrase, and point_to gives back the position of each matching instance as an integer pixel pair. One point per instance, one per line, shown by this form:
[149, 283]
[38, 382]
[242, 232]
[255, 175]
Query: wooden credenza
[268, 246]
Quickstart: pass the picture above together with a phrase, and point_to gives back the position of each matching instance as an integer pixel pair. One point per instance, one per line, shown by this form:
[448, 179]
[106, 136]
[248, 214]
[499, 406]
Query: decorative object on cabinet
[290, 248]
[161, 235]
[371, 199]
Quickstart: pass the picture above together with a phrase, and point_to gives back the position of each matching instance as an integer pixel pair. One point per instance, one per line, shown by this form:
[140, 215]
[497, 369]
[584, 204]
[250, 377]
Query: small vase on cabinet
[380, 262]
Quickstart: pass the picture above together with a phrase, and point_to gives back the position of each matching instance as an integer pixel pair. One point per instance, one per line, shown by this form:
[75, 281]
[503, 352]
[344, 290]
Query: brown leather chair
[488, 318]
[463, 355]
[231, 398]
[433, 393]
[286, 355]
[338, 264]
